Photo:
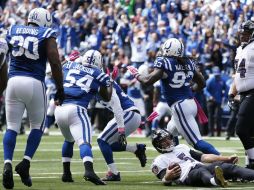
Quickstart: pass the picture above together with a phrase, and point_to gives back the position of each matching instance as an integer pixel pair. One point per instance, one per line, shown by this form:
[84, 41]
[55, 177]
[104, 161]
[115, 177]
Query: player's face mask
[162, 141]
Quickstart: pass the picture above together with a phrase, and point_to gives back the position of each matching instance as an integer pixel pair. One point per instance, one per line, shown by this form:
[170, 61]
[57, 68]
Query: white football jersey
[244, 76]
[180, 155]
[3, 48]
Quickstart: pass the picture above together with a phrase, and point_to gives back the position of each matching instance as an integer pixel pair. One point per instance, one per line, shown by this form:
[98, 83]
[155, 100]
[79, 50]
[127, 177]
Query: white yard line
[78, 173]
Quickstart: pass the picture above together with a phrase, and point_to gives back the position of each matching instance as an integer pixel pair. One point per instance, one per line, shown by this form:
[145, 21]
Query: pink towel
[201, 114]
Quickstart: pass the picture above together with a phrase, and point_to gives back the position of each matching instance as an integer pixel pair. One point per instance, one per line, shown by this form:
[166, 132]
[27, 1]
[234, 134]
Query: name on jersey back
[79, 67]
[31, 31]
[183, 67]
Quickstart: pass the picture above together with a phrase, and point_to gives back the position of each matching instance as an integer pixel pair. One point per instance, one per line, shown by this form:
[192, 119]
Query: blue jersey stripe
[46, 32]
[181, 122]
[91, 58]
[50, 33]
[88, 127]
[186, 122]
[82, 122]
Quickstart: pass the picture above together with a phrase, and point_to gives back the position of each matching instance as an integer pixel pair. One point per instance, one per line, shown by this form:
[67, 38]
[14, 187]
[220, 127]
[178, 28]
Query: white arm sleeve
[115, 104]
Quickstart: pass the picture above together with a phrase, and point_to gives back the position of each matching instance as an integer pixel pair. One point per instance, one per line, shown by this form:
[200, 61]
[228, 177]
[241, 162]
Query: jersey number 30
[27, 46]
[84, 83]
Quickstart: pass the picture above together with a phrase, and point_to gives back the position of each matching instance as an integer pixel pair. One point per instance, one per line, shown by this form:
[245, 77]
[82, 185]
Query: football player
[243, 84]
[81, 83]
[30, 48]
[162, 107]
[184, 166]
[3, 65]
[176, 73]
[113, 138]
[50, 93]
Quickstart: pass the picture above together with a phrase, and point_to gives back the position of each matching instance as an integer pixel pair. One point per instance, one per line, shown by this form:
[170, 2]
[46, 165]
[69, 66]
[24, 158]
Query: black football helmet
[162, 141]
[246, 31]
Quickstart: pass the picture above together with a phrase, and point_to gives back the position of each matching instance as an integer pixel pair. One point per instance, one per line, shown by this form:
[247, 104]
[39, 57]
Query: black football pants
[245, 121]
[200, 175]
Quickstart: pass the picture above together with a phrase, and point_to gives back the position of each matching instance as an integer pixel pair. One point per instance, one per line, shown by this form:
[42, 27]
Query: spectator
[214, 92]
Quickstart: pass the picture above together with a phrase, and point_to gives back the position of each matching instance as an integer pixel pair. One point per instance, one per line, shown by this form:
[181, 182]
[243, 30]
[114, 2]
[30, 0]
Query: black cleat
[141, 154]
[8, 182]
[112, 177]
[23, 170]
[91, 176]
[219, 178]
[67, 177]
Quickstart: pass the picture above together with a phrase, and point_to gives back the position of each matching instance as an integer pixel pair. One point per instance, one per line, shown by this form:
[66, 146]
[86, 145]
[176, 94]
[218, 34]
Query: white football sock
[112, 168]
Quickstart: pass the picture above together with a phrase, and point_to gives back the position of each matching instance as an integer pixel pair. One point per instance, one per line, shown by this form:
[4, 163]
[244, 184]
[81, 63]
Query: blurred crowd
[130, 32]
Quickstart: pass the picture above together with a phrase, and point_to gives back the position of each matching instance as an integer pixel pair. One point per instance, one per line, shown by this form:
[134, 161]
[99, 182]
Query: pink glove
[152, 116]
[108, 71]
[114, 73]
[74, 55]
[201, 114]
[133, 71]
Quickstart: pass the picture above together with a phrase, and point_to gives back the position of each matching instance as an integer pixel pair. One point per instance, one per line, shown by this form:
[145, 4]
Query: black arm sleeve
[196, 155]
[161, 174]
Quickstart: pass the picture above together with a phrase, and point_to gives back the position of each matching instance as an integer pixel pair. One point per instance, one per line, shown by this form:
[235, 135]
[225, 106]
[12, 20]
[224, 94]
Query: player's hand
[173, 171]
[233, 159]
[232, 103]
[133, 71]
[74, 55]
[122, 138]
[59, 97]
[114, 73]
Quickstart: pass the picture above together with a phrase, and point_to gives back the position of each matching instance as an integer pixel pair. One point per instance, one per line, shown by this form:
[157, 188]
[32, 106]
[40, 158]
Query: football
[171, 166]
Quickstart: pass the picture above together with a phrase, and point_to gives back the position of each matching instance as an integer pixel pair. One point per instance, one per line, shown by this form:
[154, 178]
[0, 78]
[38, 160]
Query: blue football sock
[106, 151]
[33, 142]
[49, 121]
[85, 150]
[206, 148]
[9, 143]
[67, 149]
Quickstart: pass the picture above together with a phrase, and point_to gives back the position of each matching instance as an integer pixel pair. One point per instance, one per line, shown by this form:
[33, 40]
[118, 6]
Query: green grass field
[46, 167]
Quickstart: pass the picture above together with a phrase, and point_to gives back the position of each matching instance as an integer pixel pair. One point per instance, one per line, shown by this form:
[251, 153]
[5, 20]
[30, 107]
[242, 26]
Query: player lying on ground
[184, 166]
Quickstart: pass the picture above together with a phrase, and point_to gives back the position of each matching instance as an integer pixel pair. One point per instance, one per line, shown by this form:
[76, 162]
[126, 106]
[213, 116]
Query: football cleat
[23, 170]
[67, 177]
[8, 182]
[112, 177]
[141, 154]
[219, 178]
[92, 177]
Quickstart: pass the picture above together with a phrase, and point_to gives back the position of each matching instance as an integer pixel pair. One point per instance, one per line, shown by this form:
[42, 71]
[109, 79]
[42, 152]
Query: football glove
[133, 71]
[114, 73]
[122, 138]
[74, 55]
[232, 103]
[59, 97]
